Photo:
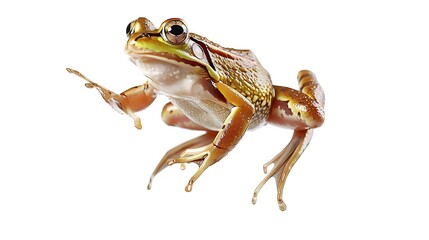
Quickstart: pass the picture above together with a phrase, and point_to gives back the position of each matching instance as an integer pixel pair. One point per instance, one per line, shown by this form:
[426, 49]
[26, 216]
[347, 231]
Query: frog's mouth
[165, 68]
[170, 74]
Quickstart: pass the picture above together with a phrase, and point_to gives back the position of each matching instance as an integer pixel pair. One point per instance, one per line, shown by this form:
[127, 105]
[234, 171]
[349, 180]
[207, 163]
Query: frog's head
[169, 53]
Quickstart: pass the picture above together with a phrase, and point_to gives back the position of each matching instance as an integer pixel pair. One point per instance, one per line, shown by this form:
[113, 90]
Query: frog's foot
[204, 156]
[283, 163]
[118, 102]
[105, 93]
[175, 153]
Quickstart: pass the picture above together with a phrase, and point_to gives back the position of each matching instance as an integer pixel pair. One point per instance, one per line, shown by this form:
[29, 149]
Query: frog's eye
[175, 32]
[130, 28]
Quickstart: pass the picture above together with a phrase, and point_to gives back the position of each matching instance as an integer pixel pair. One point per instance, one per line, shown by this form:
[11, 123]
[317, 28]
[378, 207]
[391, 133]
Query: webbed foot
[118, 102]
[283, 163]
[176, 151]
[204, 156]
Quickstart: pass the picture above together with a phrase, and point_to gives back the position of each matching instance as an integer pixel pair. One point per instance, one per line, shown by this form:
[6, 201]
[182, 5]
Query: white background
[71, 168]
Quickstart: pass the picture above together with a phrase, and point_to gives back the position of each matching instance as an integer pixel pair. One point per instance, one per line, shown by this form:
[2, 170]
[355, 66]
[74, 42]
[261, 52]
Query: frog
[222, 91]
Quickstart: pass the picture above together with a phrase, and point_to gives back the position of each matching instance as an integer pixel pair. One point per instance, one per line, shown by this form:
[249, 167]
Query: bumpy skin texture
[232, 86]
[241, 70]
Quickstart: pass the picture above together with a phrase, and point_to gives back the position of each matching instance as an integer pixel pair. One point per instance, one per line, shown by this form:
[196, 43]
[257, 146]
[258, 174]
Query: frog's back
[241, 70]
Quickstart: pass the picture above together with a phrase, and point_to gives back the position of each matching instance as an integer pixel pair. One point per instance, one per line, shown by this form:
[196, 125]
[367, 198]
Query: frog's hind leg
[299, 110]
[283, 163]
[174, 117]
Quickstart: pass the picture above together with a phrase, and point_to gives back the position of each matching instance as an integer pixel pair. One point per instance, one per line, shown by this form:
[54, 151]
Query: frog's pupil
[128, 28]
[176, 30]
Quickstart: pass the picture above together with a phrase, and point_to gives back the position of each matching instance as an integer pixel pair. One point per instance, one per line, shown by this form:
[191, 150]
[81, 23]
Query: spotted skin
[241, 70]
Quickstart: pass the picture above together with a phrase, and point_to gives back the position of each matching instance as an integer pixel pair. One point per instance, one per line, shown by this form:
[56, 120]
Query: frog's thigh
[295, 110]
[302, 109]
[173, 116]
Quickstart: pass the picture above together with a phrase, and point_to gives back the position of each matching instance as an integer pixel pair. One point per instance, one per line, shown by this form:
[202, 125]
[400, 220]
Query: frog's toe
[282, 205]
[194, 152]
[187, 159]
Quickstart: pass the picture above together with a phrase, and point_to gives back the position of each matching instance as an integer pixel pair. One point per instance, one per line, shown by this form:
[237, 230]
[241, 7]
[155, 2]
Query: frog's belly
[205, 113]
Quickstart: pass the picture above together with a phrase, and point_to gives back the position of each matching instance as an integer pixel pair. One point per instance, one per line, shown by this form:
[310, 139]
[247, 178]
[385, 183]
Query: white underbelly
[206, 113]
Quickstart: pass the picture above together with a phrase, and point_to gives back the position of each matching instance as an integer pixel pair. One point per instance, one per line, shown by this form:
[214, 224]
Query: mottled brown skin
[236, 79]
[241, 70]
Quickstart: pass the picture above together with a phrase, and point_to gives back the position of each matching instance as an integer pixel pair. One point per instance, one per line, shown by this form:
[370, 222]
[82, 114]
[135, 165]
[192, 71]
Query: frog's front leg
[130, 101]
[302, 111]
[232, 130]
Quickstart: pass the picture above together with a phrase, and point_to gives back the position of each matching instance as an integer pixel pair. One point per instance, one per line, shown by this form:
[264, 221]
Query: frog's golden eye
[130, 28]
[175, 32]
